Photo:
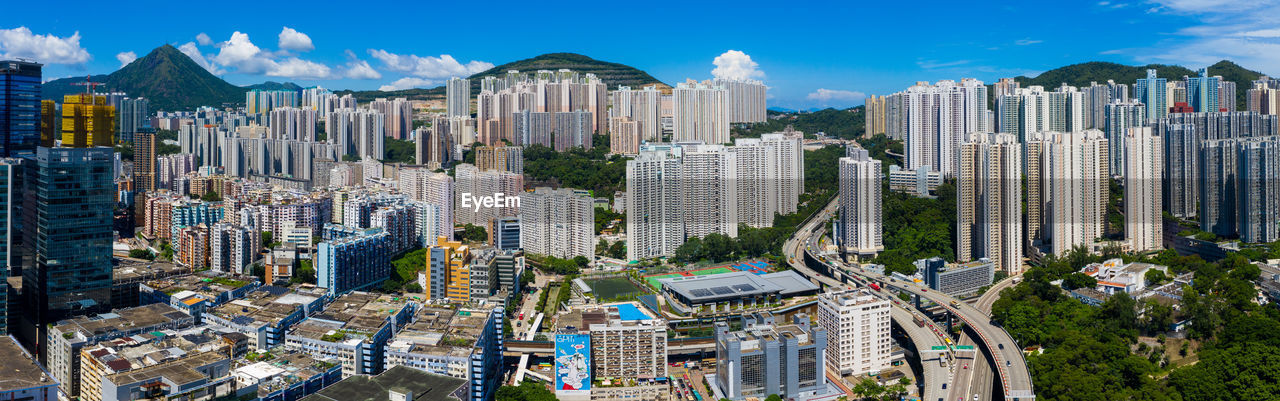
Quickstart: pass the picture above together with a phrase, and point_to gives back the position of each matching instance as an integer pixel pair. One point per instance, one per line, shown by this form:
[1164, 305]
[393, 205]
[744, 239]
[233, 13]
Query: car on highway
[1001, 345]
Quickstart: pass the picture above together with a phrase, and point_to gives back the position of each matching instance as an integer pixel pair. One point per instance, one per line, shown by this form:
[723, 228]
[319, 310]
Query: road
[1010, 365]
[977, 380]
[925, 338]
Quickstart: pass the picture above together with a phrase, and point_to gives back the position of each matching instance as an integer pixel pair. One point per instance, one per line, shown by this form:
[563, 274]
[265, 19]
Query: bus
[874, 286]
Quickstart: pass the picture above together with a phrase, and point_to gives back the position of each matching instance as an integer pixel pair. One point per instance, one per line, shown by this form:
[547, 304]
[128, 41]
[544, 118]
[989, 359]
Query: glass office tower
[19, 107]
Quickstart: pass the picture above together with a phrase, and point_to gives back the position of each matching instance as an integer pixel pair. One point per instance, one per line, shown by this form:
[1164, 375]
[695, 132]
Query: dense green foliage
[1094, 353]
[595, 170]
[605, 215]
[847, 124]
[474, 233]
[527, 391]
[404, 269]
[552, 264]
[870, 390]
[168, 78]
[917, 228]
[141, 254]
[304, 274]
[398, 151]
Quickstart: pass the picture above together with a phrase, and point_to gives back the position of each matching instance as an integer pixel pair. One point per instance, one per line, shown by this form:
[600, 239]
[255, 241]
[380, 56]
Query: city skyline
[311, 48]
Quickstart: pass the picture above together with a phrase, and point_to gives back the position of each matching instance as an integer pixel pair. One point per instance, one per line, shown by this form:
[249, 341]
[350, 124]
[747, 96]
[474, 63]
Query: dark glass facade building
[19, 107]
[67, 233]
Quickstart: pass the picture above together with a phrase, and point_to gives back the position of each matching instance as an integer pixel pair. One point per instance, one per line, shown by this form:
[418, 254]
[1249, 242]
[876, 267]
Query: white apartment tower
[557, 222]
[770, 177]
[1142, 191]
[934, 119]
[746, 98]
[458, 97]
[861, 224]
[700, 113]
[643, 107]
[989, 201]
[857, 324]
[654, 226]
[1067, 188]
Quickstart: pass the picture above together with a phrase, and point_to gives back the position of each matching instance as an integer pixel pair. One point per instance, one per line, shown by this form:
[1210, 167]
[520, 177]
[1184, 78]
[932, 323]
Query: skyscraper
[1181, 150]
[1151, 91]
[701, 113]
[1067, 188]
[67, 233]
[144, 161]
[861, 224]
[458, 97]
[1142, 192]
[397, 116]
[1121, 117]
[10, 234]
[935, 119]
[20, 107]
[1202, 91]
[654, 226]
[1239, 187]
[770, 176]
[557, 222]
[87, 121]
[642, 107]
[875, 109]
[857, 325]
[989, 201]
[745, 99]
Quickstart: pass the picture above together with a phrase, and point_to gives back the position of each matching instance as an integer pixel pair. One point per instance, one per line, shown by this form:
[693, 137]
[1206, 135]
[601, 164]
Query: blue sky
[811, 54]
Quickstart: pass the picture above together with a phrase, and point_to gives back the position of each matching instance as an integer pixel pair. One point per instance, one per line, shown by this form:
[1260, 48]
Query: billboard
[573, 364]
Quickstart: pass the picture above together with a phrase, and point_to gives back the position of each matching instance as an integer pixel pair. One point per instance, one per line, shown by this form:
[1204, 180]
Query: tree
[413, 287]
[141, 254]
[474, 233]
[1079, 280]
[257, 270]
[618, 250]
[266, 239]
[305, 274]
[211, 196]
[773, 397]
[1155, 277]
[527, 391]
[526, 278]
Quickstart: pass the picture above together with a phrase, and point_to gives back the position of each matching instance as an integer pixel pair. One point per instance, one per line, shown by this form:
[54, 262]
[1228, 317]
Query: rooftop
[127, 270]
[283, 369]
[207, 286]
[422, 385]
[128, 318]
[356, 314]
[19, 369]
[442, 331]
[180, 371]
[737, 284]
[265, 305]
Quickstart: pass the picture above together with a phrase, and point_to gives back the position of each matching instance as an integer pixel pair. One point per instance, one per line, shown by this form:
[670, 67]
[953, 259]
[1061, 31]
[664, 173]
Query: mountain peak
[165, 76]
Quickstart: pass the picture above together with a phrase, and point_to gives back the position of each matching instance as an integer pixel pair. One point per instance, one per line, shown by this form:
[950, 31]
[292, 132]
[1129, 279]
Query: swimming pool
[631, 312]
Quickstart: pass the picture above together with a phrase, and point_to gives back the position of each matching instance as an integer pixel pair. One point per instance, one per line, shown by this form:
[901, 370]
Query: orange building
[87, 121]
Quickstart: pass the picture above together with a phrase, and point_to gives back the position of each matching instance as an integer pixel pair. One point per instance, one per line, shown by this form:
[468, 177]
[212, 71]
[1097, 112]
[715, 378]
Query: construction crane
[88, 84]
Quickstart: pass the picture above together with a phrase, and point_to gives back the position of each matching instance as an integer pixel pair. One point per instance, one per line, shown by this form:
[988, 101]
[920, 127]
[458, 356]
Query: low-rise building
[353, 330]
[266, 314]
[21, 378]
[100, 362]
[465, 344]
[920, 182]
[956, 279]
[766, 357]
[732, 291]
[66, 338]
[195, 293]
[396, 384]
[283, 375]
[1114, 275]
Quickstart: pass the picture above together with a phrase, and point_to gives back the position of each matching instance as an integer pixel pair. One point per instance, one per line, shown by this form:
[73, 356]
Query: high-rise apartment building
[1142, 190]
[500, 189]
[1202, 92]
[358, 133]
[87, 121]
[500, 158]
[1238, 185]
[293, 123]
[770, 176]
[1068, 188]
[700, 113]
[627, 348]
[398, 116]
[557, 222]
[933, 119]
[861, 224]
[433, 188]
[643, 108]
[132, 116]
[458, 97]
[1005, 87]
[1121, 118]
[67, 234]
[1181, 150]
[355, 261]
[989, 201]
[1151, 91]
[875, 109]
[654, 226]
[857, 325]
[259, 101]
[1264, 96]
[144, 161]
[20, 107]
[745, 99]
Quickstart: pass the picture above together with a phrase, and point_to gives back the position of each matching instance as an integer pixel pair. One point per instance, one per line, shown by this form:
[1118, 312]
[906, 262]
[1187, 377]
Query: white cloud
[734, 64]
[931, 64]
[291, 39]
[240, 53]
[360, 69]
[193, 52]
[1027, 41]
[126, 57]
[1241, 31]
[828, 95]
[444, 66]
[408, 83]
[294, 67]
[204, 39]
[48, 49]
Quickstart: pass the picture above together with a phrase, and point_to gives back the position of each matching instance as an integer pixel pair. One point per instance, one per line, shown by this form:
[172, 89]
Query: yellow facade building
[87, 121]
[448, 271]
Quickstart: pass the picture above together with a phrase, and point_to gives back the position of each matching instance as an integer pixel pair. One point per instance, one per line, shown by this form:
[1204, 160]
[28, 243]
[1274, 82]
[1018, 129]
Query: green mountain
[275, 86]
[1082, 74]
[613, 74]
[170, 79]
